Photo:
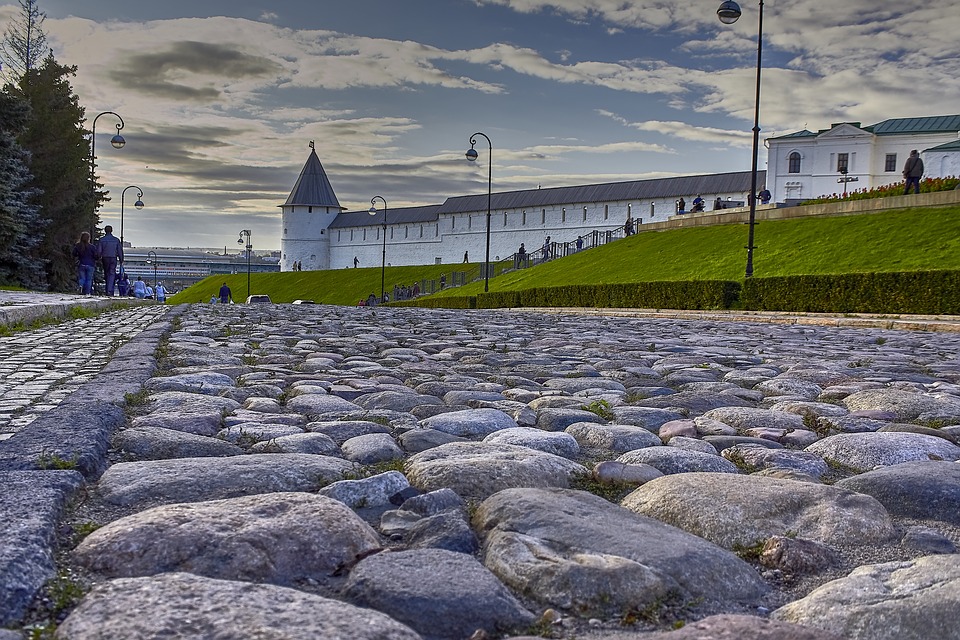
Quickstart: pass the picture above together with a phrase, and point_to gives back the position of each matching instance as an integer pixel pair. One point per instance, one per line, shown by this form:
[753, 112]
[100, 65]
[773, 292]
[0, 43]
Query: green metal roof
[796, 134]
[953, 145]
[930, 124]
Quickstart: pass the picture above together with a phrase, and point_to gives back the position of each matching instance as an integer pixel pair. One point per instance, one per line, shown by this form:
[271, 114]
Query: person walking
[226, 296]
[579, 243]
[111, 254]
[912, 172]
[765, 195]
[86, 255]
[356, 262]
[161, 293]
[139, 288]
[681, 206]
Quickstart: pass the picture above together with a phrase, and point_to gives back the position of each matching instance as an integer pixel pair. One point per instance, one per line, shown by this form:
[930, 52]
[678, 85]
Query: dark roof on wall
[312, 187]
[401, 215]
[654, 189]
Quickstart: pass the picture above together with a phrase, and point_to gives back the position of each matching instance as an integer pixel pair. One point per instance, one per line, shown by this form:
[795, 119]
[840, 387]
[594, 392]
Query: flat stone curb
[40, 305]
[949, 324]
[77, 431]
[31, 506]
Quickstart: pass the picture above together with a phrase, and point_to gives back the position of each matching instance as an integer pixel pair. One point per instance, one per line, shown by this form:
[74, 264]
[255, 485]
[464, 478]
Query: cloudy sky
[220, 99]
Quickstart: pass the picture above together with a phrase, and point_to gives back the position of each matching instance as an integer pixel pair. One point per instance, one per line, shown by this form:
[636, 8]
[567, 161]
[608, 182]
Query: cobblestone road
[39, 368]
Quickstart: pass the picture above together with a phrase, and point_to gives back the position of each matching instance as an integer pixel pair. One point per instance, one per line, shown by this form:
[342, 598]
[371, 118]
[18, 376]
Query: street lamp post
[138, 204]
[383, 263]
[472, 156]
[116, 141]
[152, 259]
[729, 12]
[249, 248]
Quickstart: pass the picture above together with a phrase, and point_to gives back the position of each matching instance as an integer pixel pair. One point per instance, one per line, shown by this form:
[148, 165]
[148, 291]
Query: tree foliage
[60, 163]
[20, 223]
[24, 42]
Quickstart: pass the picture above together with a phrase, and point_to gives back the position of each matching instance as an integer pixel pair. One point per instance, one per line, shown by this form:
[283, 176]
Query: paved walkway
[40, 368]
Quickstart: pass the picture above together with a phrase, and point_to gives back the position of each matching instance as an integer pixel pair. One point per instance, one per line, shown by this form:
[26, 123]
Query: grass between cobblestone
[895, 240]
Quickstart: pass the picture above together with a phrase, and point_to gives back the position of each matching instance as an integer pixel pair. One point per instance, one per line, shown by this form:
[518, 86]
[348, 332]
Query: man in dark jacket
[913, 171]
[111, 253]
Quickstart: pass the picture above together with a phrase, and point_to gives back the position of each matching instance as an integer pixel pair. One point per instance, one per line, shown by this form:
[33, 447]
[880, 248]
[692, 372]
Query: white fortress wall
[445, 240]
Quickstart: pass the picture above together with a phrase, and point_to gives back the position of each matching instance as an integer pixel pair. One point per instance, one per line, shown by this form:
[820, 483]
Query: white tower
[308, 212]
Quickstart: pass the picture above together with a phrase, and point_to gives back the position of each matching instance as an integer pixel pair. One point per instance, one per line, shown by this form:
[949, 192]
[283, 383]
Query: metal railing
[549, 251]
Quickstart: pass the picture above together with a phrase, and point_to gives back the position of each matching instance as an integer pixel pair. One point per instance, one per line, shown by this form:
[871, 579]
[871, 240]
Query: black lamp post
[383, 263]
[152, 259]
[116, 141]
[138, 204]
[472, 155]
[729, 12]
[249, 248]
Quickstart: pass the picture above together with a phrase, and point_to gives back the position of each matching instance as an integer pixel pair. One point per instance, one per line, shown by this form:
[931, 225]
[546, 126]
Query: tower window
[843, 162]
[891, 162]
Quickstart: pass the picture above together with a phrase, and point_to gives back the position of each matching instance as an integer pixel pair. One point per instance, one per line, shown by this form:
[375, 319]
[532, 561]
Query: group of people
[404, 292]
[298, 265]
[108, 252]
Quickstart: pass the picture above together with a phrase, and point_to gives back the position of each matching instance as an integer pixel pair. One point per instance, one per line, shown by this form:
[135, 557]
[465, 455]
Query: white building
[804, 165]
[320, 235]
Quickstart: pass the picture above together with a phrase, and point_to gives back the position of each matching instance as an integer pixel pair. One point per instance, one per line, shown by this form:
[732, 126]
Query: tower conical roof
[312, 187]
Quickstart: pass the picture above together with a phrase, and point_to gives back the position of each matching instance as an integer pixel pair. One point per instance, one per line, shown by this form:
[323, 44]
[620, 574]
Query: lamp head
[472, 154]
[240, 240]
[138, 204]
[372, 211]
[729, 12]
[117, 141]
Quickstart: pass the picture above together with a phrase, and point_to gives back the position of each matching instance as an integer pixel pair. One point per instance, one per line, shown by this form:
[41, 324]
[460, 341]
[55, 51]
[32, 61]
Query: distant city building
[318, 233]
[179, 268]
[804, 165]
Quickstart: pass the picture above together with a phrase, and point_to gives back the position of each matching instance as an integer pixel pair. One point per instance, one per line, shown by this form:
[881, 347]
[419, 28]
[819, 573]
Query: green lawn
[896, 240]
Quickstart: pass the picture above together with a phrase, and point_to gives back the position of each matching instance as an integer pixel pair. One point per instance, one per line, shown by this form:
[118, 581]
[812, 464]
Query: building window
[391, 233]
[436, 230]
[421, 231]
[794, 163]
[364, 234]
[351, 235]
[891, 162]
[338, 235]
[504, 219]
[584, 214]
[606, 211]
[309, 209]
[284, 231]
[469, 222]
[406, 232]
[453, 222]
[523, 217]
[843, 162]
[543, 216]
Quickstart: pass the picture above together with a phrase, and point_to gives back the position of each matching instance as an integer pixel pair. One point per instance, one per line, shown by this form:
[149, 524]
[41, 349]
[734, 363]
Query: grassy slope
[901, 240]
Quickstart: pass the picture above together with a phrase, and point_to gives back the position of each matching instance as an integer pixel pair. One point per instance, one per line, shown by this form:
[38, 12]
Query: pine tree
[24, 43]
[60, 163]
[20, 223]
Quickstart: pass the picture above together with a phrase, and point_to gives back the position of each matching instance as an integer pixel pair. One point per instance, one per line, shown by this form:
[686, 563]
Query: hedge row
[914, 292]
[695, 294]
[459, 302]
